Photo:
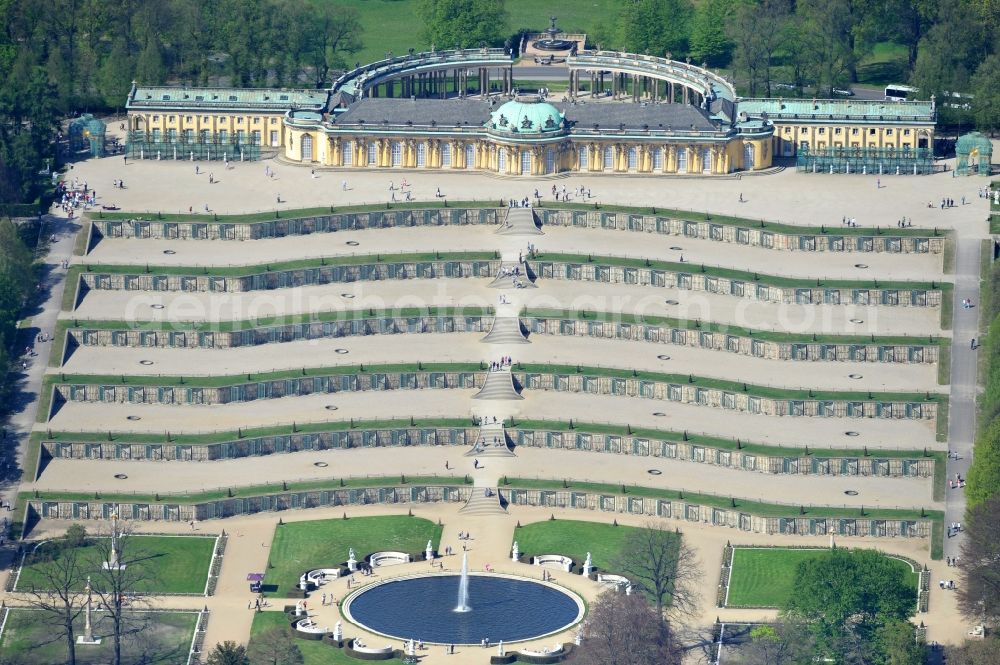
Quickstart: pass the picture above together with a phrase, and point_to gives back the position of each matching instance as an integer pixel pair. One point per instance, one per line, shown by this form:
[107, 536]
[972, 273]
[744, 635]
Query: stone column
[687, 93]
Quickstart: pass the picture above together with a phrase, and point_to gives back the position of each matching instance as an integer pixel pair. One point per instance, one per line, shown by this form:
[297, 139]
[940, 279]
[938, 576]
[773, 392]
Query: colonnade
[636, 86]
[443, 83]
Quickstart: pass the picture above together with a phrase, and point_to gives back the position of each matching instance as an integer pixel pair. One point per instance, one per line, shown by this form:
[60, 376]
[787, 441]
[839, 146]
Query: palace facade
[460, 110]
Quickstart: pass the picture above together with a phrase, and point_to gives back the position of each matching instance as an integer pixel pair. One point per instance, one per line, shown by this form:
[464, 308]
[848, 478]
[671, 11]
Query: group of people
[498, 365]
[904, 223]
[75, 196]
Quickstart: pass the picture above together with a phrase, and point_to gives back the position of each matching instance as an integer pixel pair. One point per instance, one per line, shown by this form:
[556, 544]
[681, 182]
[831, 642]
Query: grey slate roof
[474, 112]
[374, 111]
[611, 115]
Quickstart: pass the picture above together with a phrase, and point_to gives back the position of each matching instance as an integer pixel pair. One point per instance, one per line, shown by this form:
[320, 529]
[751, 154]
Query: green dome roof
[516, 117]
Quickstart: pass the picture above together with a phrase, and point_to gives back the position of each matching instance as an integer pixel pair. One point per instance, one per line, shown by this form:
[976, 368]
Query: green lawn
[177, 564]
[762, 577]
[302, 546]
[394, 25]
[574, 538]
[313, 652]
[157, 638]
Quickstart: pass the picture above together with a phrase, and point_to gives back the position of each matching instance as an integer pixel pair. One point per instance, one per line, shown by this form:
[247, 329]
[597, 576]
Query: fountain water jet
[463, 586]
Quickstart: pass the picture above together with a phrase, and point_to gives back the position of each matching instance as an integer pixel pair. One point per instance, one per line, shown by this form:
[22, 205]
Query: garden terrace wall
[743, 235]
[261, 445]
[725, 517]
[685, 393]
[792, 463]
[285, 279]
[603, 269]
[268, 389]
[646, 332]
[258, 335]
[748, 234]
[738, 344]
[278, 228]
[169, 509]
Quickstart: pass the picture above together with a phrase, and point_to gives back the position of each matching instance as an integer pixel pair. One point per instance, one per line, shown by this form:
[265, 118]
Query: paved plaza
[806, 200]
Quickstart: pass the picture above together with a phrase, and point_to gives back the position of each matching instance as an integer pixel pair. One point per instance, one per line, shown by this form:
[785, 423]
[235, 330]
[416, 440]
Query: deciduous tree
[979, 589]
[274, 647]
[660, 564]
[626, 630]
[462, 23]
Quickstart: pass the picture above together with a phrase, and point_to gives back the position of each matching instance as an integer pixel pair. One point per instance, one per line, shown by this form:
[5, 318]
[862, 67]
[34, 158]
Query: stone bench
[554, 651]
[380, 651]
[310, 627]
[321, 576]
[388, 559]
[614, 581]
[554, 561]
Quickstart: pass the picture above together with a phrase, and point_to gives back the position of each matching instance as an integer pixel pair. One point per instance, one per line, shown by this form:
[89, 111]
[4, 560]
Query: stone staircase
[480, 504]
[502, 281]
[492, 442]
[520, 222]
[498, 385]
[506, 330]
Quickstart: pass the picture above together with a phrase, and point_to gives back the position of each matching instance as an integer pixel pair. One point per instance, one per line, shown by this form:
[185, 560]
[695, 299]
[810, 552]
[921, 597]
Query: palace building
[461, 110]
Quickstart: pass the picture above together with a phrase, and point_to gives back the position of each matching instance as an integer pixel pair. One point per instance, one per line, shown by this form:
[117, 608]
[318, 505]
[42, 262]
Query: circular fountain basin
[504, 607]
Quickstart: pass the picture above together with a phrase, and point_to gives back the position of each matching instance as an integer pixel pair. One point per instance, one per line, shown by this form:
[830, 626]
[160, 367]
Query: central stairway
[491, 442]
[520, 222]
[506, 330]
[480, 504]
[498, 385]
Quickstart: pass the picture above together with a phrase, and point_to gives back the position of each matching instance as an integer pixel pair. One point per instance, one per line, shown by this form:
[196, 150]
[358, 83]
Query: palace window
[888, 132]
[256, 121]
[633, 159]
[157, 134]
[446, 154]
[241, 136]
[239, 121]
[854, 131]
[372, 153]
[156, 118]
[188, 135]
[205, 118]
[188, 119]
[609, 157]
[203, 136]
[347, 153]
[255, 136]
[706, 160]
[550, 161]
[274, 138]
[682, 161]
[172, 118]
[396, 150]
[871, 131]
[838, 131]
[421, 154]
[822, 130]
[470, 155]
[584, 157]
[658, 159]
[501, 160]
[906, 132]
[274, 121]
[223, 135]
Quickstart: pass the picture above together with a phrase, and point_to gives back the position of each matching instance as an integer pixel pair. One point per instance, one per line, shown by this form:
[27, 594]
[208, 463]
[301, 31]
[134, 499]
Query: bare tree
[785, 643]
[625, 630]
[658, 562]
[121, 571]
[274, 647]
[58, 578]
[979, 591]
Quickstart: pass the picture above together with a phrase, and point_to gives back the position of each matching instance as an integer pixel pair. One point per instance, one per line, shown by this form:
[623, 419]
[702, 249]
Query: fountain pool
[501, 607]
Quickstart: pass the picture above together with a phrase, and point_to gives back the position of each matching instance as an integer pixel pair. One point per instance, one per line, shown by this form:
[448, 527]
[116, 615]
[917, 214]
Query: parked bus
[900, 93]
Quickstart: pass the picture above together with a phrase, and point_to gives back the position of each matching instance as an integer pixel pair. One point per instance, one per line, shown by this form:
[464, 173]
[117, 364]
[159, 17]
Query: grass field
[302, 546]
[763, 577]
[574, 538]
[157, 638]
[177, 564]
[313, 652]
[394, 25]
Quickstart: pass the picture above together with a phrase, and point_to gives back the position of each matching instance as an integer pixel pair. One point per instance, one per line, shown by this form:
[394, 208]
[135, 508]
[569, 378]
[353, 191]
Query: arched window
[372, 153]
[421, 154]
[445, 154]
[748, 156]
[706, 160]
[550, 161]
[609, 157]
[682, 160]
[470, 156]
[584, 157]
[658, 159]
[347, 153]
[633, 158]
[396, 151]
[526, 162]
[306, 148]
[501, 160]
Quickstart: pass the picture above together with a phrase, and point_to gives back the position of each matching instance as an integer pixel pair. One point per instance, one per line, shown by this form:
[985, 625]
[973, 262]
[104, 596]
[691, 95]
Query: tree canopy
[462, 23]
